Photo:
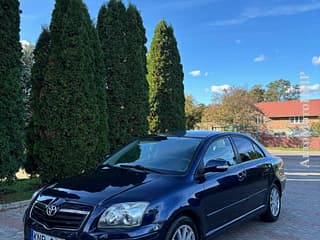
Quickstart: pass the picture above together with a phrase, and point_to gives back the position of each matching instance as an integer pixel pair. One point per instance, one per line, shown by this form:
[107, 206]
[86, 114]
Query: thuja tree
[41, 57]
[70, 120]
[112, 29]
[11, 96]
[165, 77]
[137, 89]
[122, 36]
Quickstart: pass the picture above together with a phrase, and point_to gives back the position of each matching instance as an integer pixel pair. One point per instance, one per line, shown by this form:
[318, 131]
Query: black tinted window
[258, 151]
[246, 150]
[220, 149]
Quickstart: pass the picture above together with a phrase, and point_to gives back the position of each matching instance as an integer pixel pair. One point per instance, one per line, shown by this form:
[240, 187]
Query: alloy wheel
[184, 232]
[274, 201]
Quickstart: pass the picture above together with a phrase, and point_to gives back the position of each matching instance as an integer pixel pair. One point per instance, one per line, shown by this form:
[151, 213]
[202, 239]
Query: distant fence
[292, 142]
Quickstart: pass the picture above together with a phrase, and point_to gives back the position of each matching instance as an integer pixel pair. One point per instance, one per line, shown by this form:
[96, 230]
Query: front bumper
[147, 232]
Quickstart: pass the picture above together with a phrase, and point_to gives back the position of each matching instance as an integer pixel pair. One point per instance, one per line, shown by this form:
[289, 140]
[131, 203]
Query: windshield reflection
[173, 154]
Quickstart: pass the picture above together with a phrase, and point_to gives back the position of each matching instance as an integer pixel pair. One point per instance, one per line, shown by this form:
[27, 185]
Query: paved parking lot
[299, 220]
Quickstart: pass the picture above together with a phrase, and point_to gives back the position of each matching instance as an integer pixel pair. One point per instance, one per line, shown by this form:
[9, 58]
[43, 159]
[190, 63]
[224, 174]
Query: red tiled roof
[292, 108]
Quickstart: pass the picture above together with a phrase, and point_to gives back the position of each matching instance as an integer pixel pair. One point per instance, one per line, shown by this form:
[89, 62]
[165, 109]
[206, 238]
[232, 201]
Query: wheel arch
[278, 184]
[194, 216]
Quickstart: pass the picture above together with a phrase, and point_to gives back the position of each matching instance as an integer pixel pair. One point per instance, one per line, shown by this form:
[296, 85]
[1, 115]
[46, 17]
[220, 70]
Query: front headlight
[128, 214]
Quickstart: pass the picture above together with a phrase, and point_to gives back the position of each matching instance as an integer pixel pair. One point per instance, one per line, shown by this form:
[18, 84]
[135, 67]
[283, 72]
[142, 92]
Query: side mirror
[216, 166]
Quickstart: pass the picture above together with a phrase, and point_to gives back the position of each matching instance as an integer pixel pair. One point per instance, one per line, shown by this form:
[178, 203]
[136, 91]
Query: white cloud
[260, 58]
[316, 60]
[195, 73]
[315, 89]
[283, 10]
[303, 76]
[25, 43]
[220, 88]
[206, 74]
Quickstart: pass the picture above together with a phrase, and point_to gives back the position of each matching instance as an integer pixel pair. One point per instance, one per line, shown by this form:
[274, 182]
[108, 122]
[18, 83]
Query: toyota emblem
[51, 210]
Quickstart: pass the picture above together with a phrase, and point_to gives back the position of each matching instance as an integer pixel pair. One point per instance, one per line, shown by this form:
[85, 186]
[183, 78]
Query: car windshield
[164, 154]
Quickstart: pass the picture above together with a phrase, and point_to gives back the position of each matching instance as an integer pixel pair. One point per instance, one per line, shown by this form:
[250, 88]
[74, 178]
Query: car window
[247, 149]
[172, 154]
[258, 151]
[220, 149]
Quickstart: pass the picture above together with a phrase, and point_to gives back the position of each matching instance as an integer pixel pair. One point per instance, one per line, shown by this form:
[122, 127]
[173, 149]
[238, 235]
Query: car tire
[182, 228]
[273, 205]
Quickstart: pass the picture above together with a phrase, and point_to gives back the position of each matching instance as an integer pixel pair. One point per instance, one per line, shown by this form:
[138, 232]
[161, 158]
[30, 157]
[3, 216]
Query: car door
[257, 170]
[223, 191]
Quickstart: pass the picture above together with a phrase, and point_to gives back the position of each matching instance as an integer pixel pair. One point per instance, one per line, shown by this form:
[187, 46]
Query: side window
[220, 149]
[258, 152]
[247, 149]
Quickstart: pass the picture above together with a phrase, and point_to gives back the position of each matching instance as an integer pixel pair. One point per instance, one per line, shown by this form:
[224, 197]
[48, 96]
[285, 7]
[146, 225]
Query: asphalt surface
[299, 218]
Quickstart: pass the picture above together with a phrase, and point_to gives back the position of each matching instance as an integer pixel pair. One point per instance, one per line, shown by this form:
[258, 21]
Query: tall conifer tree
[41, 57]
[165, 77]
[137, 89]
[11, 96]
[112, 31]
[70, 121]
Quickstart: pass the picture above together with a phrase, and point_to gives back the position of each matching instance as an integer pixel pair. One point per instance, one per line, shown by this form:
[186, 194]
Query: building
[288, 118]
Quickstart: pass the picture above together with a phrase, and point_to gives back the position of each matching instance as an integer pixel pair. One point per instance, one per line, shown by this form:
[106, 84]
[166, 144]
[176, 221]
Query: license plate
[41, 236]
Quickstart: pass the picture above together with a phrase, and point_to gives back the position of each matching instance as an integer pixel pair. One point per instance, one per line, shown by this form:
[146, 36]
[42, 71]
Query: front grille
[69, 216]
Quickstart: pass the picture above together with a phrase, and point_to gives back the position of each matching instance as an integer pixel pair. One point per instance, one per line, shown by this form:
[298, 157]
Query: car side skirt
[254, 211]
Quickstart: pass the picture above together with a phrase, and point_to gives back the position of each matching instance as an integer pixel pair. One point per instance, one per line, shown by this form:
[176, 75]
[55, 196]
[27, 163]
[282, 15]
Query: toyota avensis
[183, 186]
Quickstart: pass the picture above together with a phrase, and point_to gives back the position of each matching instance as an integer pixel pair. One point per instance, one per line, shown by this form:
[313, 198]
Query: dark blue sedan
[183, 186]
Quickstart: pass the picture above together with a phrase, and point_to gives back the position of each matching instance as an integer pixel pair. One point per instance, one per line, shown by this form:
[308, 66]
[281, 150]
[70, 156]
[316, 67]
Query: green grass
[18, 190]
[293, 149]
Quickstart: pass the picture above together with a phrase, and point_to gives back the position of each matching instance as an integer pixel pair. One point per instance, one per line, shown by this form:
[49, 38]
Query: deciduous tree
[193, 112]
[257, 93]
[230, 112]
[27, 62]
[280, 90]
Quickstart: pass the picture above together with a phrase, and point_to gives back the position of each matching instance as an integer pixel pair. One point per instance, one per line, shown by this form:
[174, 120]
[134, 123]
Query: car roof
[195, 134]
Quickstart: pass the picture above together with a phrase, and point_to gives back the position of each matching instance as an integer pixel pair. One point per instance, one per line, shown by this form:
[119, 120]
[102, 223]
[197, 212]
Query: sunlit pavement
[299, 219]
[300, 216]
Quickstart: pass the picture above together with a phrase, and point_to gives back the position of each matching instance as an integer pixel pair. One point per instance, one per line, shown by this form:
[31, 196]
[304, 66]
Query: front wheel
[273, 206]
[182, 229]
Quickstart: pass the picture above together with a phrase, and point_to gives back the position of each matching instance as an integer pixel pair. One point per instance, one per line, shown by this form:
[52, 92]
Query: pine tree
[111, 27]
[41, 58]
[11, 96]
[137, 89]
[70, 115]
[165, 77]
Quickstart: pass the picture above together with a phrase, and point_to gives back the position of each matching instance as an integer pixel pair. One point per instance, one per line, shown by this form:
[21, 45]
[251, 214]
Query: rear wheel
[273, 206]
[182, 229]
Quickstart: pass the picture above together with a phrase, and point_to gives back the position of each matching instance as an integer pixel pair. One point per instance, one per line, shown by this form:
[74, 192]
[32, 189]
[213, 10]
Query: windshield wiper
[108, 165]
[140, 167]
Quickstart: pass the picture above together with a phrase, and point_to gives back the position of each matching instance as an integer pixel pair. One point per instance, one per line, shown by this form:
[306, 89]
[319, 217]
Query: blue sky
[224, 43]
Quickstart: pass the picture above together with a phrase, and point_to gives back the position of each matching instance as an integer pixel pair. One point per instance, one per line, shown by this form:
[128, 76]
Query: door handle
[242, 175]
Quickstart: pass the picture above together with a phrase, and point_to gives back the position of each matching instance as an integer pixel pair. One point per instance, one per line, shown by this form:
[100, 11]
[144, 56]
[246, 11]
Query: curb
[294, 153]
[14, 205]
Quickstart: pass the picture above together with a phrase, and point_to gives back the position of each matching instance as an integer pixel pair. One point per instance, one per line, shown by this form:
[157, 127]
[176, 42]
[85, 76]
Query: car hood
[99, 186]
